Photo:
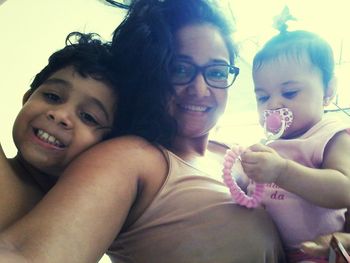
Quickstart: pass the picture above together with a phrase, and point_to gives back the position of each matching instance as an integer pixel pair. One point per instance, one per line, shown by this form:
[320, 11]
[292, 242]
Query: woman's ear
[26, 96]
[330, 91]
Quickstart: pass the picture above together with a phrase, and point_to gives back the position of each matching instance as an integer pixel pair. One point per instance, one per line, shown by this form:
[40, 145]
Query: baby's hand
[262, 164]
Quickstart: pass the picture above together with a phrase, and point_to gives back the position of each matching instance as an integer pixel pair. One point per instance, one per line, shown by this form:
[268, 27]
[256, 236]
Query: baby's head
[294, 70]
[70, 106]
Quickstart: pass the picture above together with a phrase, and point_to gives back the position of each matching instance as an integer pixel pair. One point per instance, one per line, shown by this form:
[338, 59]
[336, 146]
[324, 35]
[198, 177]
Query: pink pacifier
[276, 123]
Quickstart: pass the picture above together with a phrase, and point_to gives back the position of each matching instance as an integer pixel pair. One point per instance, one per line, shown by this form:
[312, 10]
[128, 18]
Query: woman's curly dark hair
[144, 46]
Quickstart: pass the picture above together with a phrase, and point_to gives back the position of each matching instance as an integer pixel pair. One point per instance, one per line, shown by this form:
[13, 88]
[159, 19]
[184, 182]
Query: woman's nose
[199, 87]
[61, 117]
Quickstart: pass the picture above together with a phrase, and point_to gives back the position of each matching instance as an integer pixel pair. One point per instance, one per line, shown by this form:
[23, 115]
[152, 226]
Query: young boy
[70, 106]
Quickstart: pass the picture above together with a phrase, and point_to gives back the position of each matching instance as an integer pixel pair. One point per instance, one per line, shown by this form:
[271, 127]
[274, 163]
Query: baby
[301, 175]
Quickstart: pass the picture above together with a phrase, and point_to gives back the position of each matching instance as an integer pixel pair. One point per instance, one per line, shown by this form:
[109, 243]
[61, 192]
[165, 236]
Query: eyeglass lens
[218, 76]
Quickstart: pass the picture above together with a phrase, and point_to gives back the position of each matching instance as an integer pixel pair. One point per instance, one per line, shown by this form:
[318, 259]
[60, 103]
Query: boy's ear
[26, 96]
[330, 92]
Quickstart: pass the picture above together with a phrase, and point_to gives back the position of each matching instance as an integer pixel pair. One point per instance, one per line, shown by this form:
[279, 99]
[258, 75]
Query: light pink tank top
[193, 219]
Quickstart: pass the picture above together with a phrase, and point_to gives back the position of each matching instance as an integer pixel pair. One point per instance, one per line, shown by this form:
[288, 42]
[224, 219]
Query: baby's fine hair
[295, 44]
[87, 53]
[144, 48]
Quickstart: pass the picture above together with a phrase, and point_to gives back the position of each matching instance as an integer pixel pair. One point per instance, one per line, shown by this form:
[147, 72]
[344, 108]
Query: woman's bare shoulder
[121, 154]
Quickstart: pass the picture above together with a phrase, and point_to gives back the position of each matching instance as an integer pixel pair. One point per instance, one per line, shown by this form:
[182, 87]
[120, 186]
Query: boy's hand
[262, 164]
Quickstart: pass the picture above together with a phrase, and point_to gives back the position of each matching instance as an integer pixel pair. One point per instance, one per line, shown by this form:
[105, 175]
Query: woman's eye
[52, 97]
[217, 74]
[180, 70]
[88, 118]
[290, 94]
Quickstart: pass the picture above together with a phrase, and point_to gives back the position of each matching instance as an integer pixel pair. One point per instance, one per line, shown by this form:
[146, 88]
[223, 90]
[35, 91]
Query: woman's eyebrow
[215, 60]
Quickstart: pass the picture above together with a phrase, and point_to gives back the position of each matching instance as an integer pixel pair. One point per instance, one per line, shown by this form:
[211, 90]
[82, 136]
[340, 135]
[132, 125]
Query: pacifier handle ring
[236, 192]
[273, 136]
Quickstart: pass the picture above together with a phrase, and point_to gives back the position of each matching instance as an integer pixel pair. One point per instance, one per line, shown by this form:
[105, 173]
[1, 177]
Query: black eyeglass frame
[201, 69]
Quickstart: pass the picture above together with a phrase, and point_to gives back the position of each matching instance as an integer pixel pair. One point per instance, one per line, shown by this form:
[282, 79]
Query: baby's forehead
[290, 56]
[286, 59]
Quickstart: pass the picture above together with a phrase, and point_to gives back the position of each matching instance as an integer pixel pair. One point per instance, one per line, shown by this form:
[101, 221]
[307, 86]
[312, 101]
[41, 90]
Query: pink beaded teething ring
[236, 192]
[276, 122]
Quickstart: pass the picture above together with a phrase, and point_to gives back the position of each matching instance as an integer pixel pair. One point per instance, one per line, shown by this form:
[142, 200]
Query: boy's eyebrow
[62, 82]
[67, 84]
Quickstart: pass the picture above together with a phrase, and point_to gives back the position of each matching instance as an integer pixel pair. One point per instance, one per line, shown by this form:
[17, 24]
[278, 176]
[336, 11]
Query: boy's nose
[199, 87]
[61, 117]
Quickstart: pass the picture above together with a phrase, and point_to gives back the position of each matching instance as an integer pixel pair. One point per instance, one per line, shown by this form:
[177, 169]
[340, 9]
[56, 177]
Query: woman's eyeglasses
[220, 76]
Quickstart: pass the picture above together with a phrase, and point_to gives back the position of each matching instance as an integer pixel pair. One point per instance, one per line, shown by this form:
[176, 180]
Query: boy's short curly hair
[90, 57]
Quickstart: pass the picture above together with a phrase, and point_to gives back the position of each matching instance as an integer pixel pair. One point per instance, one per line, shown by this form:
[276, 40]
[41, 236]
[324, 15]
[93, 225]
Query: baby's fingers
[260, 148]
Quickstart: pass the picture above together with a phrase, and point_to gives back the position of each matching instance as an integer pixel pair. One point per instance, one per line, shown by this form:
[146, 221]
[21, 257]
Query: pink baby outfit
[194, 220]
[297, 219]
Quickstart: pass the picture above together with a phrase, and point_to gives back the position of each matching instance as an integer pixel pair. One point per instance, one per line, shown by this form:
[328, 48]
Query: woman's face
[197, 106]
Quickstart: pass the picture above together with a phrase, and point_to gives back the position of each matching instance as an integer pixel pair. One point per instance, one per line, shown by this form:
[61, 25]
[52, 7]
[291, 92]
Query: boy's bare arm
[16, 197]
[82, 214]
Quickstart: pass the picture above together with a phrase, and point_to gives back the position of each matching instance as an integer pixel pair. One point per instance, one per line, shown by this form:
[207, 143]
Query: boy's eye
[52, 97]
[88, 118]
[290, 94]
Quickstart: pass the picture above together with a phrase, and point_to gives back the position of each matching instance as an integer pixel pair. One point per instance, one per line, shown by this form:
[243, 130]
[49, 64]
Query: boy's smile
[67, 114]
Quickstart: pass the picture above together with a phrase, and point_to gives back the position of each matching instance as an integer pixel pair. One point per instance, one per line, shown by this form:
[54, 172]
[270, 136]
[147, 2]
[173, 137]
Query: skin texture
[297, 85]
[77, 111]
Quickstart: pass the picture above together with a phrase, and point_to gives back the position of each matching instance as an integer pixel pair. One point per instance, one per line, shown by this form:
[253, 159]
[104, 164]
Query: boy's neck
[32, 175]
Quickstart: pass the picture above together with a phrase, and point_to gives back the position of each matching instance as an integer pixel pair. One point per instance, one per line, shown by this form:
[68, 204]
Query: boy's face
[64, 116]
[293, 83]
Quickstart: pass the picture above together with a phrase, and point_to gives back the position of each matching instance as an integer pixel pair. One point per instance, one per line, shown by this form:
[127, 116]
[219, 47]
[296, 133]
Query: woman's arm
[79, 218]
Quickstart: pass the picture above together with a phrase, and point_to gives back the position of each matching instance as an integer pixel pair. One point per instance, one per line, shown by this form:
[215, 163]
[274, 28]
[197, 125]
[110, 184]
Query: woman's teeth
[194, 108]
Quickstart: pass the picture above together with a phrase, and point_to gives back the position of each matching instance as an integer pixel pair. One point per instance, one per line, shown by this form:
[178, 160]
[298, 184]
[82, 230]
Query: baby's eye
[290, 94]
[262, 99]
[88, 119]
[51, 97]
